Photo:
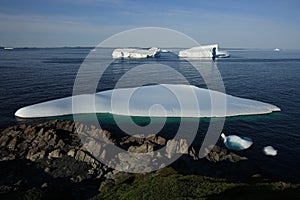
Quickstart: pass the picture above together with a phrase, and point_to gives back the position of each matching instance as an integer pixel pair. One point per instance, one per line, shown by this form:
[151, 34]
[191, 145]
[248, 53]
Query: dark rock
[52, 142]
[12, 144]
[71, 153]
[235, 158]
[134, 162]
[45, 185]
[80, 155]
[156, 140]
[60, 144]
[107, 183]
[22, 127]
[63, 153]
[65, 125]
[55, 154]
[7, 156]
[220, 154]
[108, 136]
[183, 146]
[130, 141]
[144, 148]
[4, 140]
[35, 154]
[41, 134]
[192, 152]
[171, 148]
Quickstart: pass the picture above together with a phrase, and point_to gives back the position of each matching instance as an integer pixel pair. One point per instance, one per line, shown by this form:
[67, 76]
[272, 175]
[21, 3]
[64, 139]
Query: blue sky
[240, 23]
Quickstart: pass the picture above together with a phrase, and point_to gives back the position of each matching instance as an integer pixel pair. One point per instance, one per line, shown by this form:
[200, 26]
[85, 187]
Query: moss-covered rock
[169, 185]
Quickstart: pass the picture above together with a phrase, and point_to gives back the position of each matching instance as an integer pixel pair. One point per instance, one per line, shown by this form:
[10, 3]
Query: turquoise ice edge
[109, 118]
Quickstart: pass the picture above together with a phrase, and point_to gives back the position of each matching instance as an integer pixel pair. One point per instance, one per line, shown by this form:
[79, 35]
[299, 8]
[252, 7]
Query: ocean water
[34, 75]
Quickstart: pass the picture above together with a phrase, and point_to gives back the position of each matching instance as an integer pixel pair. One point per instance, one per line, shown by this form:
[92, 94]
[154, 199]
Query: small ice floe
[270, 151]
[235, 142]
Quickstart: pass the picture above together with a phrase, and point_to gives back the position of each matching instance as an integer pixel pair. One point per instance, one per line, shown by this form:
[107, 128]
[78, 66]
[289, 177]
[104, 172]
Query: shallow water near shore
[29, 76]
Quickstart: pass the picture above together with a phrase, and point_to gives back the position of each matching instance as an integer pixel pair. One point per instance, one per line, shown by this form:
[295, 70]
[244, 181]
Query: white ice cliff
[203, 52]
[136, 53]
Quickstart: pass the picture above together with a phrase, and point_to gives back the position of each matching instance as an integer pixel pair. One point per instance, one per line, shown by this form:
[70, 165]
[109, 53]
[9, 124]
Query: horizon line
[92, 47]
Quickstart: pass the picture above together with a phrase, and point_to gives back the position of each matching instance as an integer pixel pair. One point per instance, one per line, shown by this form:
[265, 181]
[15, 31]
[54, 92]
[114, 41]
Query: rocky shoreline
[51, 156]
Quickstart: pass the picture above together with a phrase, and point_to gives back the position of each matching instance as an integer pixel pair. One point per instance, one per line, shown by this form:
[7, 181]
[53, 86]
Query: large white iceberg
[136, 53]
[165, 100]
[206, 51]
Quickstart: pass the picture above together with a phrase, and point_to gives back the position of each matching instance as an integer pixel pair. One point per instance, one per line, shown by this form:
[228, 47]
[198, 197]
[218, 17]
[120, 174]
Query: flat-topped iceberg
[207, 51]
[136, 53]
[165, 100]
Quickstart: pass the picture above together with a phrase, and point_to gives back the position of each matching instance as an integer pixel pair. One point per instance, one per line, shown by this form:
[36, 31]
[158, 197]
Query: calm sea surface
[33, 75]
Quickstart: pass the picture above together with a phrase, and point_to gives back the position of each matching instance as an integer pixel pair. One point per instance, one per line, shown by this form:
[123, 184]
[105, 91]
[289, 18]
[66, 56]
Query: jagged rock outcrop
[51, 151]
[218, 154]
[73, 152]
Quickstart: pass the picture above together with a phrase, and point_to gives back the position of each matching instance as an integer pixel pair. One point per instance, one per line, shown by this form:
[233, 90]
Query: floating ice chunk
[270, 151]
[135, 53]
[235, 142]
[165, 100]
[203, 52]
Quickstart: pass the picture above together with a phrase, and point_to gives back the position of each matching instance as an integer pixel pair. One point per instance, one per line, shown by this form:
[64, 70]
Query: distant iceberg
[165, 100]
[8, 48]
[207, 51]
[136, 53]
